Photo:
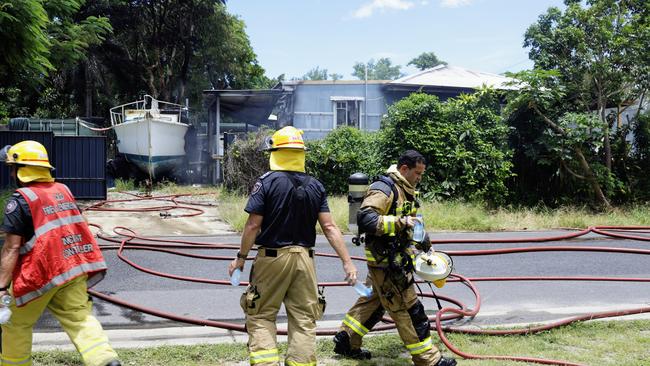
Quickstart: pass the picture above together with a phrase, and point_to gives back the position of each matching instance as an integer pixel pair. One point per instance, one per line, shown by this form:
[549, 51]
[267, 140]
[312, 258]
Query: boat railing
[138, 110]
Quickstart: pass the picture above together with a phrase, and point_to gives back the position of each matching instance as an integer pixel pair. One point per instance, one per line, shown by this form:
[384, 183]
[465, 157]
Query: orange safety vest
[62, 248]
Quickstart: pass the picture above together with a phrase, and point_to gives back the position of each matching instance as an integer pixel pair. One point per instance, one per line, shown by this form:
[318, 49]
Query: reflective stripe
[294, 363]
[93, 347]
[269, 355]
[420, 347]
[28, 246]
[29, 193]
[355, 325]
[54, 224]
[60, 280]
[16, 361]
[389, 225]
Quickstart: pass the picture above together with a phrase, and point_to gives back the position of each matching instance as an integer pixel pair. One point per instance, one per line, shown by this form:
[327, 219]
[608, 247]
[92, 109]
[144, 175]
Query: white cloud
[366, 10]
[454, 3]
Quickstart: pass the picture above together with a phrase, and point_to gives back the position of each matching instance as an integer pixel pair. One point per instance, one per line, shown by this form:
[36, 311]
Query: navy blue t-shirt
[18, 217]
[287, 219]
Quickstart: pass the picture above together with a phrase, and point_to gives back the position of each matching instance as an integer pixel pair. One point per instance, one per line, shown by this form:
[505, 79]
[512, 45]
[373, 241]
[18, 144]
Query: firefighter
[387, 216]
[48, 260]
[283, 207]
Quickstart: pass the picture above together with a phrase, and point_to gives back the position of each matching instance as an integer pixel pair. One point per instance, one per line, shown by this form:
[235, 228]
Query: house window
[348, 113]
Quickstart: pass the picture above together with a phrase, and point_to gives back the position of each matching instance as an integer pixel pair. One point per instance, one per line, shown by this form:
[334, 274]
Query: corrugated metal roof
[454, 77]
[333, 82]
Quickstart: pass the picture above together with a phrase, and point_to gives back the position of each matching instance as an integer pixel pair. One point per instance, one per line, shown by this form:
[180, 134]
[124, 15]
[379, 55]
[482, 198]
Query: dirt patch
[159, 222]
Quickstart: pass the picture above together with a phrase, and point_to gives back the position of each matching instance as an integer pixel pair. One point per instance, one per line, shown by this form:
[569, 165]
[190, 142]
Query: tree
[464, 141]
[315, 74]
[382, 70]
[600, 52]
[587, 59]
[45, 41]
[572, 138]
[335, 76]
[425, 61]
[173, 50]
[24, 44]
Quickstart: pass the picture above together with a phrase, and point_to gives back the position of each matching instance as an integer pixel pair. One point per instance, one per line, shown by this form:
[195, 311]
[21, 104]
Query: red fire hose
[129, 240]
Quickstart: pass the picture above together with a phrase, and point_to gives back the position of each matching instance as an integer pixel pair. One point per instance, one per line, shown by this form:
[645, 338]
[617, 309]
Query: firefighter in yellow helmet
[387, 215]
[48, 260]
[283, 207]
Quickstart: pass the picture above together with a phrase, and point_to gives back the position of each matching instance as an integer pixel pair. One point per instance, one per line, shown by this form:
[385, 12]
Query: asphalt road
[502, 302]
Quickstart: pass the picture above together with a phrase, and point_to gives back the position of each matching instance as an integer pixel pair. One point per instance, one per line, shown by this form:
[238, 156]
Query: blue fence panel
[80, 163]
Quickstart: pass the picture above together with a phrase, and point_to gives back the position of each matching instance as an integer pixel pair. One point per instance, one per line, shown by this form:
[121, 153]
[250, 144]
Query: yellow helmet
[287, 138]
[31, 159]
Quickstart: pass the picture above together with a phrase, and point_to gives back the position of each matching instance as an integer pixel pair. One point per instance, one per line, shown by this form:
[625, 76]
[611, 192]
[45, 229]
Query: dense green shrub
[245, 162]
[464, 141]
[344, 151]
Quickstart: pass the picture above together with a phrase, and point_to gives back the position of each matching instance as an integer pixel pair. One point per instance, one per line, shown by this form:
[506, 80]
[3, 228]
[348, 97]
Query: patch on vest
[11, 207]
[256, 187]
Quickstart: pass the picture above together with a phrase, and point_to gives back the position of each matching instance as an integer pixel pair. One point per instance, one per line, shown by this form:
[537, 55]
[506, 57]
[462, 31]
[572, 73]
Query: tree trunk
[602, 104]
[584, 164]
[592, 180]
[89, 89]
[607, 146]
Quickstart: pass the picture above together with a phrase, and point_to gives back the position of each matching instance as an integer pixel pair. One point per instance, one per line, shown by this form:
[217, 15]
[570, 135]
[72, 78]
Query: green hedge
[464, 141]
[343, 152]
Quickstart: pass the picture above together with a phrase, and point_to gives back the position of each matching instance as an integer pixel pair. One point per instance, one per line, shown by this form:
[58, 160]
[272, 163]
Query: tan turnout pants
[285, 275]
[401, 307]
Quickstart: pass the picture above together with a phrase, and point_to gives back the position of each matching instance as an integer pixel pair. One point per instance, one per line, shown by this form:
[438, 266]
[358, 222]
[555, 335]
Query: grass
[462, 216]
[122, 185]
[602, 343]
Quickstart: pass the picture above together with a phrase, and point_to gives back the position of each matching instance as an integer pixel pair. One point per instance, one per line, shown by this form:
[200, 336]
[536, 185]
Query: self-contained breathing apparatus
[392, 250]
[430, 266]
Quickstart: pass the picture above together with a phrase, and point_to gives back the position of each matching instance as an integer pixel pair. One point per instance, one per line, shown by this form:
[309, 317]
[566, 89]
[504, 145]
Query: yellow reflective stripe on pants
[417, 348]
[294, 363]
[16, 361]
[389, 225]
[269, 355]
[92, 348]
[355, 325]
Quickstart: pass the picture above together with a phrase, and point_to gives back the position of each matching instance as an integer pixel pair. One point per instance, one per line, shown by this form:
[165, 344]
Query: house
[319, 106]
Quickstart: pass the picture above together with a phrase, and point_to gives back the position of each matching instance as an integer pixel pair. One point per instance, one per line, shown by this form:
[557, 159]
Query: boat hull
[156, 147]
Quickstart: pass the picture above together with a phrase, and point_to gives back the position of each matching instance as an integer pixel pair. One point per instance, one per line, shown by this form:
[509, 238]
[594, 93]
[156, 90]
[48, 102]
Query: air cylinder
[357, 185]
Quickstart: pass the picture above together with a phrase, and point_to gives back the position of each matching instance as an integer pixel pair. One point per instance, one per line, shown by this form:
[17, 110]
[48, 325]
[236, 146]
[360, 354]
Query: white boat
[150, 134]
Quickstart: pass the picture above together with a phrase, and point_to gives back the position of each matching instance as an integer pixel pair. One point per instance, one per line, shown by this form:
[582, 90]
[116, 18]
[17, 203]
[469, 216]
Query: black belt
[271, 252]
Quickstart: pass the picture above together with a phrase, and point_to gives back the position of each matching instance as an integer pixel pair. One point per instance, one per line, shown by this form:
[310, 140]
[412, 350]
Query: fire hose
[130, 240]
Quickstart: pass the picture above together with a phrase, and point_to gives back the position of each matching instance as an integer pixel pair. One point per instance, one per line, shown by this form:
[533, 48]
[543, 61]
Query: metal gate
[79, 161]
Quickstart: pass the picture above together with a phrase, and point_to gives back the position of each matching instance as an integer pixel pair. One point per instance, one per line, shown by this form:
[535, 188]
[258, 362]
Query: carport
[234, 111]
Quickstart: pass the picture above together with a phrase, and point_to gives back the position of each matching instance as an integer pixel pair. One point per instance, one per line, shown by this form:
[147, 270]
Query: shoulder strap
[389, 182]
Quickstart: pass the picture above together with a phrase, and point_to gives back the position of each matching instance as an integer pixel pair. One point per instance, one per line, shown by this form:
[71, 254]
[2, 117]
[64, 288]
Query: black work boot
[343, 348]
[114, 363]
[446, 362]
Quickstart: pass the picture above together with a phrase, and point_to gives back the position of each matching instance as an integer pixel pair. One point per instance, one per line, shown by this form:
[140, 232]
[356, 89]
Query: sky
[293, 37]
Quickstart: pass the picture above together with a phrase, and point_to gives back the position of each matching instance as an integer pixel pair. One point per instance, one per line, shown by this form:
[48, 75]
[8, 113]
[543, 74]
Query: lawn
[596, 343]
